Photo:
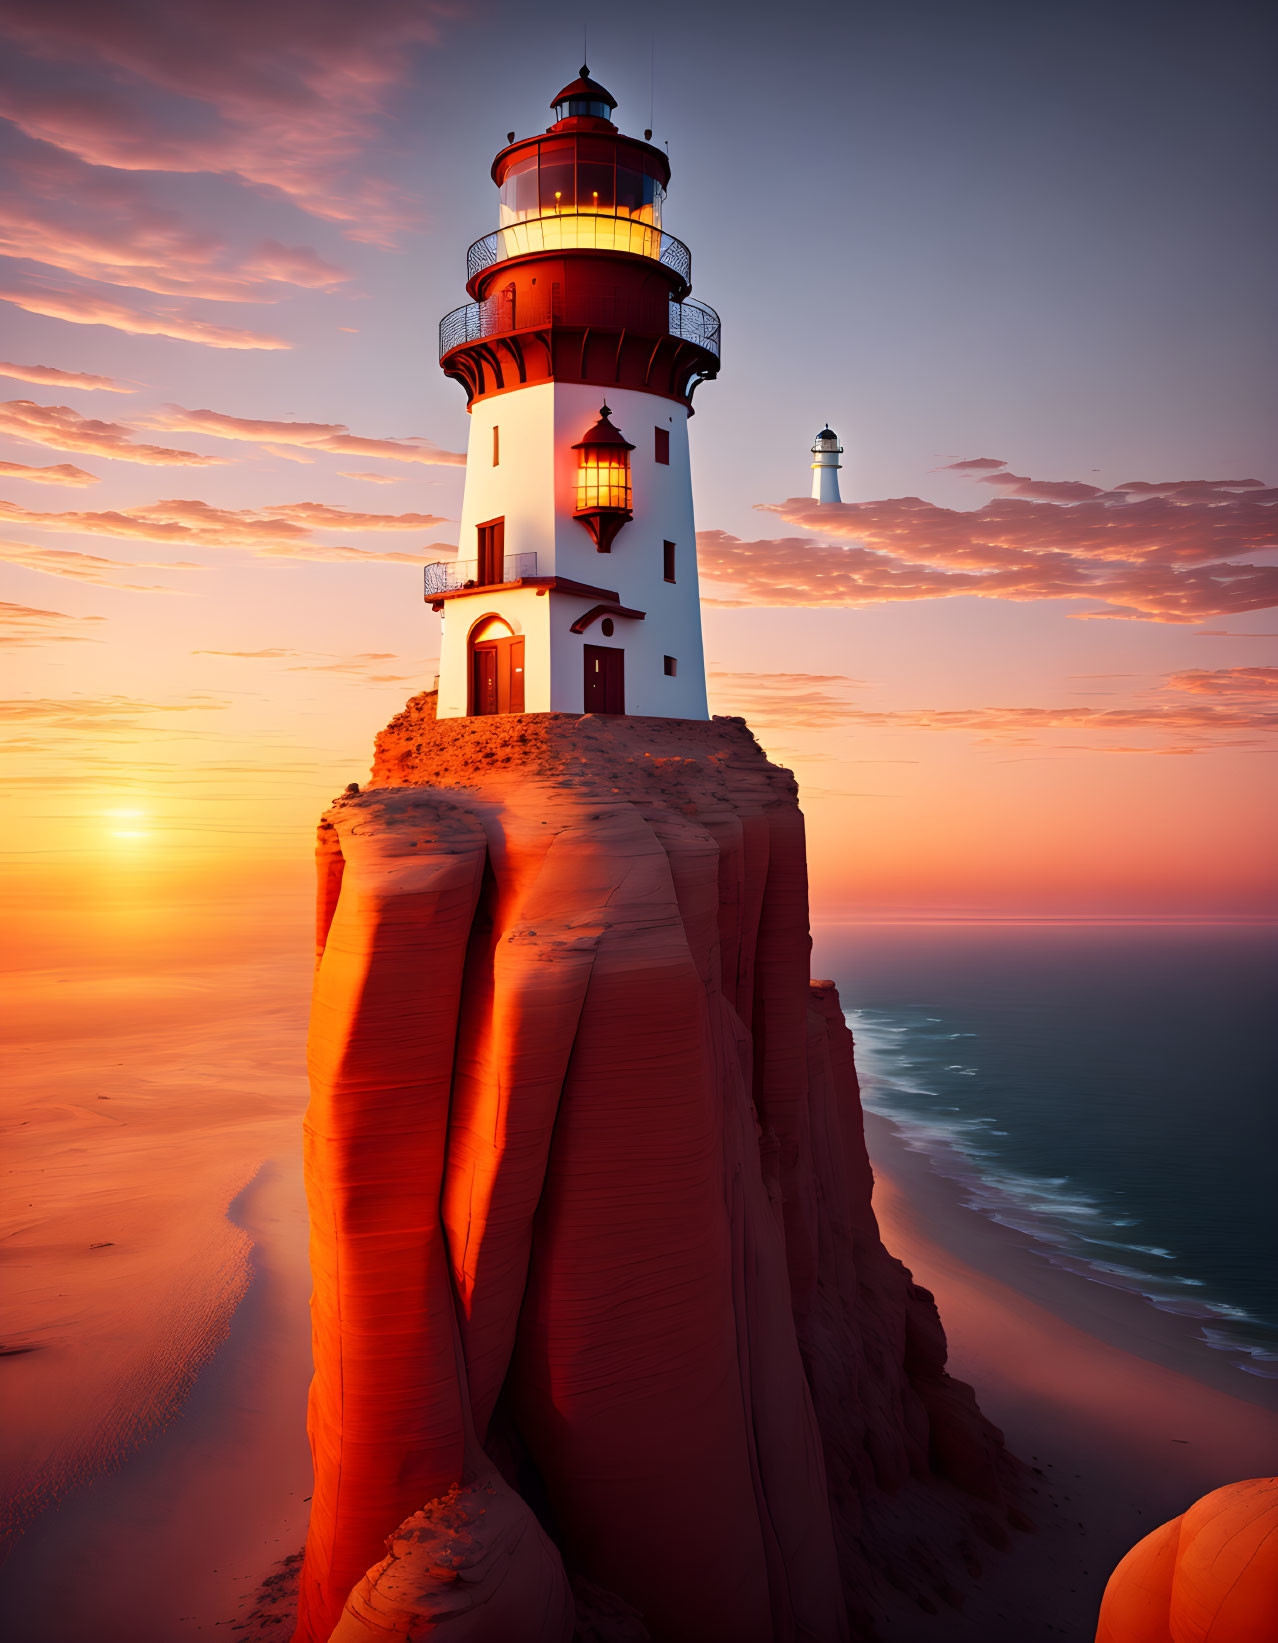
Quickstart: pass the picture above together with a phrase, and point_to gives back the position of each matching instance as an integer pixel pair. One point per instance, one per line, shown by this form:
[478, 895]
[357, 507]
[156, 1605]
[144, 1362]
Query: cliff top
[604, 754]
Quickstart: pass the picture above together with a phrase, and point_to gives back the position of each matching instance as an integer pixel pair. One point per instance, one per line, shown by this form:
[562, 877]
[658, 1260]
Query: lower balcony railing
[451, 575]
[500, 315]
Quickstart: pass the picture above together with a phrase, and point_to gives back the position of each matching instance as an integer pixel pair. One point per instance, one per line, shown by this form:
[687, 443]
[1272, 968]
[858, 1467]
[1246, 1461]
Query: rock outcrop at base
[591, 1209]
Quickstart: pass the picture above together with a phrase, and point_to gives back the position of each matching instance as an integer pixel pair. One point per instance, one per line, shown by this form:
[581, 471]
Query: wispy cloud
[286, 528]
[28, 625]
[789, 701]
[809, 701]
[285, 98]
[375, 479]
[106, 226]
[62, 379]
[63, 429]
[63, 473]
[87, 308]
[86, 567]
[99, 714]
[1260, 683]
[315, 436]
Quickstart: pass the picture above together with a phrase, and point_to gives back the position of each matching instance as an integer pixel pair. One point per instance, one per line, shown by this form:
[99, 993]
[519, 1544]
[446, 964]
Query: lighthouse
[826, 452]
[575, 586]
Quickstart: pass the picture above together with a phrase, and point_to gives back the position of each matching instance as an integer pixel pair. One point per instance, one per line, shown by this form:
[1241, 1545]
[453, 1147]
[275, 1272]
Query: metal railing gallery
[499, 315]
[451, 575]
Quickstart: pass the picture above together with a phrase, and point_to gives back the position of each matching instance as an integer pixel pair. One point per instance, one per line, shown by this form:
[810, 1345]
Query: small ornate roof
[604, 433]
[585, 87]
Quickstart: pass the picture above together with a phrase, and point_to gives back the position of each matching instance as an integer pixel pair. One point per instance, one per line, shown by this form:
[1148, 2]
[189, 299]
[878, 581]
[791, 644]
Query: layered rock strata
[599, 1293]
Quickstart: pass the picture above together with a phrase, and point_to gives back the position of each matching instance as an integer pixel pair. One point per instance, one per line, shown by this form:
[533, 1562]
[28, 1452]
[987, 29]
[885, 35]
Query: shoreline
[209, 1504]
[1127, 1415]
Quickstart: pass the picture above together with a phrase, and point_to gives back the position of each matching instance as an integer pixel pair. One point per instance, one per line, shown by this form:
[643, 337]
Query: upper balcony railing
[497, 316]
[453, 575]
[580, 230]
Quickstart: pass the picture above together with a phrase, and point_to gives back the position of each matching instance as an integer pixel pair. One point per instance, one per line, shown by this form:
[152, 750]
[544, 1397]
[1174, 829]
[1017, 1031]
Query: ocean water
[1111, 1091]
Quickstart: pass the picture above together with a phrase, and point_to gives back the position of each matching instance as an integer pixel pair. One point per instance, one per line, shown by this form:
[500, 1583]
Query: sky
[1020, 257]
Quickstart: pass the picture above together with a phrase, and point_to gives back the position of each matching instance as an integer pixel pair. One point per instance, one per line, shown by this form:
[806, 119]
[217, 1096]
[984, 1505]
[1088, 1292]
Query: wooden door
[492, 552]
[605, 685]
[497, 676]
[484, 679]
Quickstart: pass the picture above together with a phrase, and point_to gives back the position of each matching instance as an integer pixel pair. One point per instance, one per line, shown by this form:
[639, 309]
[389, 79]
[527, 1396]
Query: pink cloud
[976, 464]
[284, 531]
[64, 473]
[1237, 682]
[1044, 490]
[86, 308]
[66, 430]
[316, 436]
[283, 97]
[61, 379]
[375, 479]
[105, 225]
[85, 567]
[1177, 556]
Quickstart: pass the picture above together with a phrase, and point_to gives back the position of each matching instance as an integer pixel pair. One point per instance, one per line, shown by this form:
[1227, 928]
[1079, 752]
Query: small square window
[663, 445]
[672, 667]
[496, 445]
[668, 552]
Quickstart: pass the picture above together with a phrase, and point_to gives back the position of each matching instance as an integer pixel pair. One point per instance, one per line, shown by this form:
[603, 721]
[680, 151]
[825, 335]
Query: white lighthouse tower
[575, 587]
[826, 452]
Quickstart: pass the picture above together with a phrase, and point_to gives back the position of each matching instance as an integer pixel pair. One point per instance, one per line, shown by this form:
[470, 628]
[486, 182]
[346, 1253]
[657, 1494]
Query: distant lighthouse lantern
[603, 502]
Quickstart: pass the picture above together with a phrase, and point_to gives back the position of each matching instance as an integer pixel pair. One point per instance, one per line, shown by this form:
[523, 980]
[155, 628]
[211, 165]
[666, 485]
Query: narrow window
[492, 553]
[672, 667]
[663, 445]
[496, 444]
[668, 549]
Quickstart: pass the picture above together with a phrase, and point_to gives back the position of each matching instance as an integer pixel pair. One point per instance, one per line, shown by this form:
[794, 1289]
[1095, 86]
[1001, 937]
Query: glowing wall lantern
[603, 481]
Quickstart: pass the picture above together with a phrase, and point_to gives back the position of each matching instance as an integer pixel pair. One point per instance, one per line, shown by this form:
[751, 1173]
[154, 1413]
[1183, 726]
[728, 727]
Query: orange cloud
[285, 102]
[315, 436]
[66, 430]
[28, 625]
[1261, 682]
[61, 379]
[281, 531]
[86, 308]
[64, 473]
[374, 479]
[99, 714]
[86, 567]
[785, 701]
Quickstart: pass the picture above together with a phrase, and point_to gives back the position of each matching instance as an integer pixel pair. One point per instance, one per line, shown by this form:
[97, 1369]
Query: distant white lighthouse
[826, 452]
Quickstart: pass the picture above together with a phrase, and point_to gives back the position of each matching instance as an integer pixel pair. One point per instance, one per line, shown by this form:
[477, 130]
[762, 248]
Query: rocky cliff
[605, 1336]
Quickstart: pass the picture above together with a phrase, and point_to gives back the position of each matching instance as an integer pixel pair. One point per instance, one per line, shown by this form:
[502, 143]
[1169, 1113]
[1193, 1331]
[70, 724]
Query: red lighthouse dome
[580, 282]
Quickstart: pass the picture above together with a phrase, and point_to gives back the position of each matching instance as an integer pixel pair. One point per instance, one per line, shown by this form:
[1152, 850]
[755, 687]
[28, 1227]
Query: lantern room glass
[580, 176]
[603, 479]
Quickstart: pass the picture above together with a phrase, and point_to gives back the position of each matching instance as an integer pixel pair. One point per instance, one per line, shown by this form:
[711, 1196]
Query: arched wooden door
[496, 669]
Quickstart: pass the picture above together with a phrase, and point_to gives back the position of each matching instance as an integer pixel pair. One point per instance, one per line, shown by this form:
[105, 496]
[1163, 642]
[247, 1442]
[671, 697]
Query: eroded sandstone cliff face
[603, 1324]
